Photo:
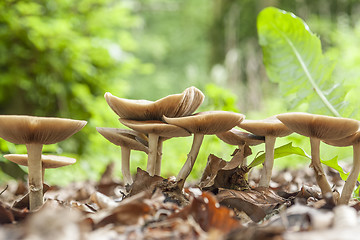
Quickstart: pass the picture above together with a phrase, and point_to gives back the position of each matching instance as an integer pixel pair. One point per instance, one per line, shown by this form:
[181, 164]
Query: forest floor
[221, 205]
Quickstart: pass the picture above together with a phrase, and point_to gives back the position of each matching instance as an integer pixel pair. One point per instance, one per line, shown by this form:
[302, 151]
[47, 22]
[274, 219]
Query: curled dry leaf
[208, 213]
[255, 203]
[144, 182]
[102, 200]
[213, 165]
[128, 212]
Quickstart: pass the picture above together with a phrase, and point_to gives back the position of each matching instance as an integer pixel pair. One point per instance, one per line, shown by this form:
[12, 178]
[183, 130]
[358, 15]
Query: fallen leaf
[255, 203]
[208, 213]
[144, 182]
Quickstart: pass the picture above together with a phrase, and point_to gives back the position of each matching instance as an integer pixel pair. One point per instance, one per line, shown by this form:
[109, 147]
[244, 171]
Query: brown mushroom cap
[175, 105]
[344, 142]
[21, 129]
[237, 137]
[319, 126]
[193, 98]
[267, 127]
[155, 127]
[210, 122]
[48, 161]
[125, 138]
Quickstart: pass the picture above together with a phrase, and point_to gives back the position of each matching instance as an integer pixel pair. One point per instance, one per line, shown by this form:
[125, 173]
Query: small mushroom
[48, 161]
[34, 132]
[157, 132]
[127, 140]
[175, 105]
[240, 139]
[352, 140]
[211, 122]
[271, 128]
[319, 127]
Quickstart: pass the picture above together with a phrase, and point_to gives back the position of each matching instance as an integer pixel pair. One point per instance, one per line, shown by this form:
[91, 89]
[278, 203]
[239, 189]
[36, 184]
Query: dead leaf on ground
[255, 203]
[208, 213]
[144, 182]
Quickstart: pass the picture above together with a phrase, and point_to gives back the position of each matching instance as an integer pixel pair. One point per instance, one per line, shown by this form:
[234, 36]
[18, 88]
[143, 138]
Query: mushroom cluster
[153, 122]
[173, 116]
[34, 132]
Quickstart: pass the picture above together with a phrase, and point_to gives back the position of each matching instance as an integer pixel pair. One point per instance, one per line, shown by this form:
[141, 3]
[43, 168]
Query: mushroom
[271, 128]
[352, 140]
[240, 139]
[34, 132]
[48, 161]
[319, 127]
[127, 140]
[199, 124]
[157, 131]
[175, 105]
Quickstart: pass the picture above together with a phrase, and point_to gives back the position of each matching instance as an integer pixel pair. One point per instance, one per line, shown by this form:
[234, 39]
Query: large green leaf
[289, 149]
[279, 152]
[293, 58]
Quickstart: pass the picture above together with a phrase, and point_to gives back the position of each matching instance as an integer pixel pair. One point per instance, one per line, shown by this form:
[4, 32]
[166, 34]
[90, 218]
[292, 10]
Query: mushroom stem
[237, 160]
[159, 156]
[153, 149]
[354, 174]
[42, 173]
[35, 175]
[125, 165]
[316, 165]
[268, 163]
[195, 147]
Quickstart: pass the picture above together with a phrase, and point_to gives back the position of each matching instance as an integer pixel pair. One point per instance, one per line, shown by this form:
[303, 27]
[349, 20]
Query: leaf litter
[222, 205]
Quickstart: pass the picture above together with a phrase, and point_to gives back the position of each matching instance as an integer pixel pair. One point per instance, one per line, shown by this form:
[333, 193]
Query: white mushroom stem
[268, 163]
[351, 180]
[194, 151]
[125, 165]
[159, 156]
[316, 165]
[152, 156]
[237, 160]
[35, 175]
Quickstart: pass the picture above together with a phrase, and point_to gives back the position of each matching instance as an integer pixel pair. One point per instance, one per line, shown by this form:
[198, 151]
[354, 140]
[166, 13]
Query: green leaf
[289, 149]
[293, 58]
[279, 152]
[13, 170]
[333, 163]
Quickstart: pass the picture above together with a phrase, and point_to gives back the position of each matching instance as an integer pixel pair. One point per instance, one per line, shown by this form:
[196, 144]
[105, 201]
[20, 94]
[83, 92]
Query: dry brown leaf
[128, 212]
[255, 203]
[208, 213]
[144, 182]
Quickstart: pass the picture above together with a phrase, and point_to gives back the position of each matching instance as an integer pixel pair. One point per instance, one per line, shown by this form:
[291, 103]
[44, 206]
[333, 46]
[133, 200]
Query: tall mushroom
[271, 128]
[157, 131]
[127, 140]
[48, 161]
[352, 140]
[240, 139]
[175, 105]
[319, 127]
[199, 124]
[34, 132]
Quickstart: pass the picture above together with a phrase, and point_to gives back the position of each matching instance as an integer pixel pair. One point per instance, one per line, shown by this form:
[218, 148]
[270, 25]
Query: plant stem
[153, 142]
[35, 175]
[319, 172]
[354, 174]
[268, 164]
[159, 156]
[194, 151]
[125, 165]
